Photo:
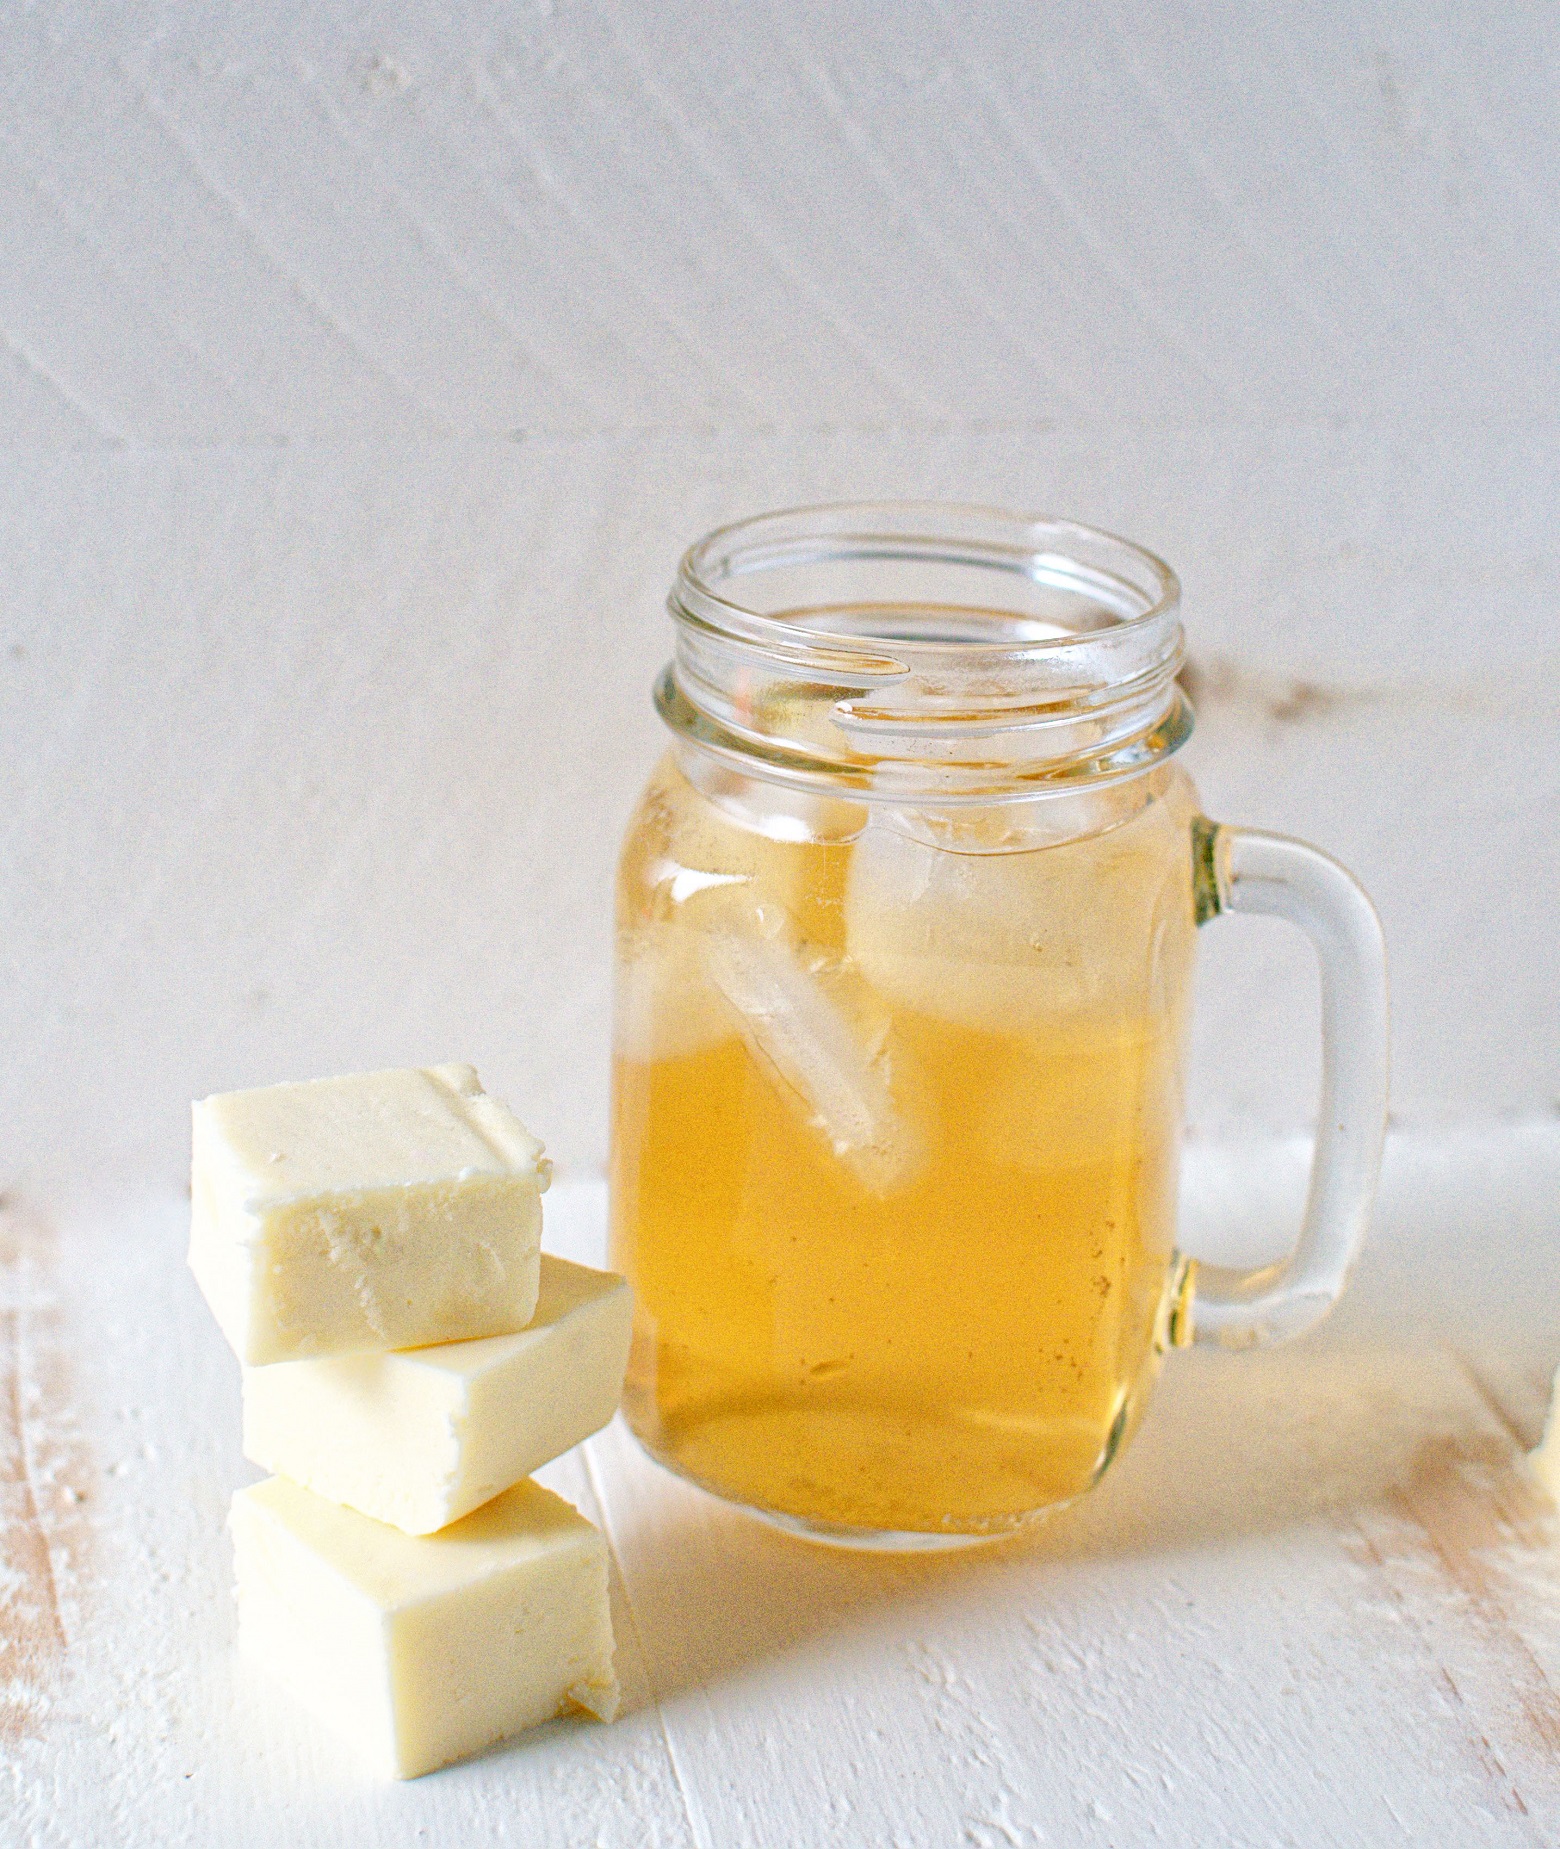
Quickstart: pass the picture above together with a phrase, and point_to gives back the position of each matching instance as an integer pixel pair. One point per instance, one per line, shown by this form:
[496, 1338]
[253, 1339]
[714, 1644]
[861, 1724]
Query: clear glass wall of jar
[906, 925]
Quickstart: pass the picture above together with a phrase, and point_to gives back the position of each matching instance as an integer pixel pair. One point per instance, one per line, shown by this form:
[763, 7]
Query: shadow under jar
[905, 932]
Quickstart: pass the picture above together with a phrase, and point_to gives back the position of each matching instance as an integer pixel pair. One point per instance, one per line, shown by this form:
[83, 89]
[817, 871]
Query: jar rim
[816, 532]
[926, 648]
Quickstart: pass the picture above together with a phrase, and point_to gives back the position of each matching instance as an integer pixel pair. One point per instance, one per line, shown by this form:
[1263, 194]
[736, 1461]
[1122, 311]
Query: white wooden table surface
[1318, 1602]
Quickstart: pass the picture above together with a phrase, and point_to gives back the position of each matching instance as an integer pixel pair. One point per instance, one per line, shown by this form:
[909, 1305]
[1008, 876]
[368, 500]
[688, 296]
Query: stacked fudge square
[371, 1248]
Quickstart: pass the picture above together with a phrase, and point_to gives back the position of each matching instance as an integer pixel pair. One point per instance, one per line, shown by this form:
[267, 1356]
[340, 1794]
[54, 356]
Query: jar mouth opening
[903, 647]
[919, 578]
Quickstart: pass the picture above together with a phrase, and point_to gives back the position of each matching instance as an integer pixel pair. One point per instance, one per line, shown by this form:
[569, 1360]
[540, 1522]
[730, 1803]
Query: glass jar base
[861, 1540]
[879, 1540]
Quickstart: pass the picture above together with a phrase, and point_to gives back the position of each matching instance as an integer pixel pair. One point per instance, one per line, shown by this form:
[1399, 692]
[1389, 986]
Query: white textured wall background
[364, 368]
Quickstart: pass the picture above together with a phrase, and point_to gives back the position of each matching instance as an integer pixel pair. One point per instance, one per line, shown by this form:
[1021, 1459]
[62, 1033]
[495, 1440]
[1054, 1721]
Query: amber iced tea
[895, 1125]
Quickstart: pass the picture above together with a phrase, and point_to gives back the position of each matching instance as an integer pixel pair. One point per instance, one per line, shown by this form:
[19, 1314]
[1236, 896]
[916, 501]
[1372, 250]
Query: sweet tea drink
[896, 1111]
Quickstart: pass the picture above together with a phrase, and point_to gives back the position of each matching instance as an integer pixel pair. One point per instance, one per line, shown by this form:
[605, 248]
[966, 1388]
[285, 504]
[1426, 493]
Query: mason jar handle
[1247, 870]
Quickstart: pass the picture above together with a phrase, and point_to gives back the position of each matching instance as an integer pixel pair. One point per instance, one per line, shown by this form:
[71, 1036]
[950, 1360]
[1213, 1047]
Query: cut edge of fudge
[362, 1624]
[422, 1437]
[378, 1211]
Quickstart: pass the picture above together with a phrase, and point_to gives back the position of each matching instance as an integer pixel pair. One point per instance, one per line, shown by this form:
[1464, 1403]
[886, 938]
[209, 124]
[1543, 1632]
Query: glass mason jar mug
[906, 923]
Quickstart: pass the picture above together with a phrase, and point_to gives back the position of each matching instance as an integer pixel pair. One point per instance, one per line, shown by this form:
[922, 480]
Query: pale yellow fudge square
[380, 1211]
[422, 1437]
[421, 1650]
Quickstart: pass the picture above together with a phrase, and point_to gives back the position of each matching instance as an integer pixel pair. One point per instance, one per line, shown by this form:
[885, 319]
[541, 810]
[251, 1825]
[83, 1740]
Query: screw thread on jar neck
[918, 653]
